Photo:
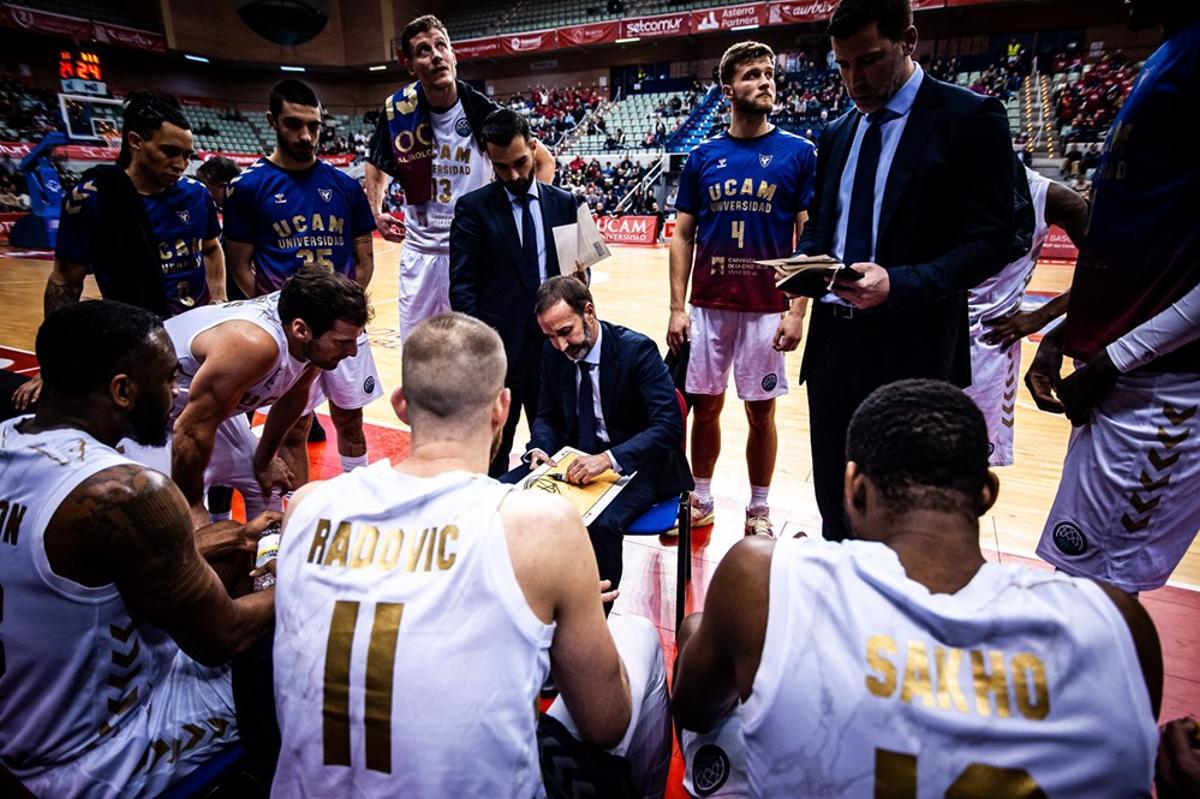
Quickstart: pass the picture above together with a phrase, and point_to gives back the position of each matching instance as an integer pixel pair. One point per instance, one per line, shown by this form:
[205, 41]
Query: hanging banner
[44, 22]
[584, 35]
[799, 12]
[129, 37]
[629, 229]
[924, 5]
[728, 17]
[477, 48]
[655, 27]
[528, 42]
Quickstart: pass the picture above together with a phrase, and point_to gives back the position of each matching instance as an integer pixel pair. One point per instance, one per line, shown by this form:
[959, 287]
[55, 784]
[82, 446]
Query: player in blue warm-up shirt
[291, 210]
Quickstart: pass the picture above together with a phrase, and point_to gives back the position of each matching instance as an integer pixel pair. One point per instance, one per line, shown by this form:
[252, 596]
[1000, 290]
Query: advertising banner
[584, 35]
[725, 18]
[655, 27]
[629, 229]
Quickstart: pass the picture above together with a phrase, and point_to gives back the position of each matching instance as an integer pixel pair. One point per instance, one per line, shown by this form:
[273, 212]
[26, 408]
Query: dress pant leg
[524, 381]
[829, 411]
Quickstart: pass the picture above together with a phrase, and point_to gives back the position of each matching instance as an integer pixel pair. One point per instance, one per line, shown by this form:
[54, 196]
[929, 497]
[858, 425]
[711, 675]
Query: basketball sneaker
[703, 514]
[758, 522]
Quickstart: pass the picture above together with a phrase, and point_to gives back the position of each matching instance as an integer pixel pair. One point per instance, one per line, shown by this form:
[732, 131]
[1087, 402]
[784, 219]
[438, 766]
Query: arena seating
[234, 133]
[1088, 96]
[635, 116]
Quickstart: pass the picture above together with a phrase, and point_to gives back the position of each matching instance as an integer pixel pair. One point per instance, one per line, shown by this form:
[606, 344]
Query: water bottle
[268, 550]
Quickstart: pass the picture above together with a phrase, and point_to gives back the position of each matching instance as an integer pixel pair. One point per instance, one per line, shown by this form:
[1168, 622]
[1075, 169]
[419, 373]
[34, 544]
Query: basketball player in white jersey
[429, 138]
[240, 356]
[904, 664]
[421, 607]
[113, 627]
[995, 356]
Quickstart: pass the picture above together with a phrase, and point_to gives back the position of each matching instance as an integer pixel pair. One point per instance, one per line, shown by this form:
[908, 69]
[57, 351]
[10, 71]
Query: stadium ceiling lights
[628, 40]
[199, 59]
[292, 69]
[377, 68]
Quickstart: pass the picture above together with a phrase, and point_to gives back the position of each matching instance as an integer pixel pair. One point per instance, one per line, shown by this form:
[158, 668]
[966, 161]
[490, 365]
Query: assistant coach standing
[914, 190]
[501, 250]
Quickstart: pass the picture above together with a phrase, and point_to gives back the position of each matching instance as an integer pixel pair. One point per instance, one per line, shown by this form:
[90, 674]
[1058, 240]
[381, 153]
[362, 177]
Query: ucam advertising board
[629, 229]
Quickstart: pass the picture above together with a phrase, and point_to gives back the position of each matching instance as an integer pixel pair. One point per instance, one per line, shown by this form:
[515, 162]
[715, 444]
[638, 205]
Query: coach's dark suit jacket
[645, 429]
[486, 276]
[637, 397]
[947, 222]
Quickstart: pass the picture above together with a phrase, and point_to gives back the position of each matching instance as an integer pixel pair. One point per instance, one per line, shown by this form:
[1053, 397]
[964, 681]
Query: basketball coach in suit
[501, 250]
[606, 391]
[915, 192]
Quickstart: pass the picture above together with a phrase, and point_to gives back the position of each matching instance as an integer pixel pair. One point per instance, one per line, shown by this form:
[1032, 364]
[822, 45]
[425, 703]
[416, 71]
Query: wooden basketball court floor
[631, 289]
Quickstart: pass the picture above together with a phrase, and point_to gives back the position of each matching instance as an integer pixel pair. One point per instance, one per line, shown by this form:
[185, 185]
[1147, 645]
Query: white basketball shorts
[647, 741]
[187, 719]
[232, 463]
[1128, 505]
[424, 287]
[739, 340]
[994, 383]
[353, 384]
[714, 763]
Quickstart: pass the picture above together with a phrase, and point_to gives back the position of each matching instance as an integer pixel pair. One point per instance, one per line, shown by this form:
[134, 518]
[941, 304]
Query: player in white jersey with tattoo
[903, 664]
[429, 138]
[116, 619]
[421, 607]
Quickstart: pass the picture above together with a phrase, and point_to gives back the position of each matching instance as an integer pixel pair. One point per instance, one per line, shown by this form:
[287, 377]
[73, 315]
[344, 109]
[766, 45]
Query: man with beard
[1127, 508]
[291, 210]
[238, 357]
[115, 624]
[430, 139]
[501, 250]
[743, 197]
[606, 392]
[149, 235]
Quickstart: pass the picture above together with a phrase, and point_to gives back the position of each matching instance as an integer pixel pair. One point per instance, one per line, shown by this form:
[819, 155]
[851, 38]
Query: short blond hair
[742, 53]
[452, 369]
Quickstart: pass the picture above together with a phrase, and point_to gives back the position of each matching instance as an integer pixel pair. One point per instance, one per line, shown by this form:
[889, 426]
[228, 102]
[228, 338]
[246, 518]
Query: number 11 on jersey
[381, 666]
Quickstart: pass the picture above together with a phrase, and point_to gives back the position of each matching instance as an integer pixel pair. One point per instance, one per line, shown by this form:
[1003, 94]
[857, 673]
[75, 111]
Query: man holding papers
[502, 247]
[605, 392]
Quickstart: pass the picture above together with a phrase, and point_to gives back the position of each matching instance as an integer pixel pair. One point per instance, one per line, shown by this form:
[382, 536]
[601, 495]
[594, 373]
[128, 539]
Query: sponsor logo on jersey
[1069, 539]
[369, 384]
[769, 382]
[184, 216]
[710, 769]
[462, 127]
[325, 194]
[280, 198]
[720, 163]
[764, 160]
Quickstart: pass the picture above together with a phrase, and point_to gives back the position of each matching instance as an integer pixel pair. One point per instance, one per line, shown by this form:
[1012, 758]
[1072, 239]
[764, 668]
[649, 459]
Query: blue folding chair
[666, 516]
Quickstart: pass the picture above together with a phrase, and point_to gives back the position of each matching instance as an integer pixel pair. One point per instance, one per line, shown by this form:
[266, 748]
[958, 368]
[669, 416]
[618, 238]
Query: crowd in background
[1086, 106]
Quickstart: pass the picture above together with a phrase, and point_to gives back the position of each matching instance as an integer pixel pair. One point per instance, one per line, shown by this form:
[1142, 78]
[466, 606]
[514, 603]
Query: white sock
[758, 496]
[220, 517]
[704, 489]
[351, 462]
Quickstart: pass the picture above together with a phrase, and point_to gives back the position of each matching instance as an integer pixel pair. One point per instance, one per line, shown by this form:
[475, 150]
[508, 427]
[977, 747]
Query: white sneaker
[758, 522]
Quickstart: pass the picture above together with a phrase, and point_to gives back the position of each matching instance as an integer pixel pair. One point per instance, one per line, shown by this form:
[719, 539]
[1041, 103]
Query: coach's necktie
[529, 250]
[587, 411]
[860, 219]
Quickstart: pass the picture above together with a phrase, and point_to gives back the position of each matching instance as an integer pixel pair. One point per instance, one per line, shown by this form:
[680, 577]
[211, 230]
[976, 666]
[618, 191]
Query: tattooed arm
[129, 526]
[64, 286]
